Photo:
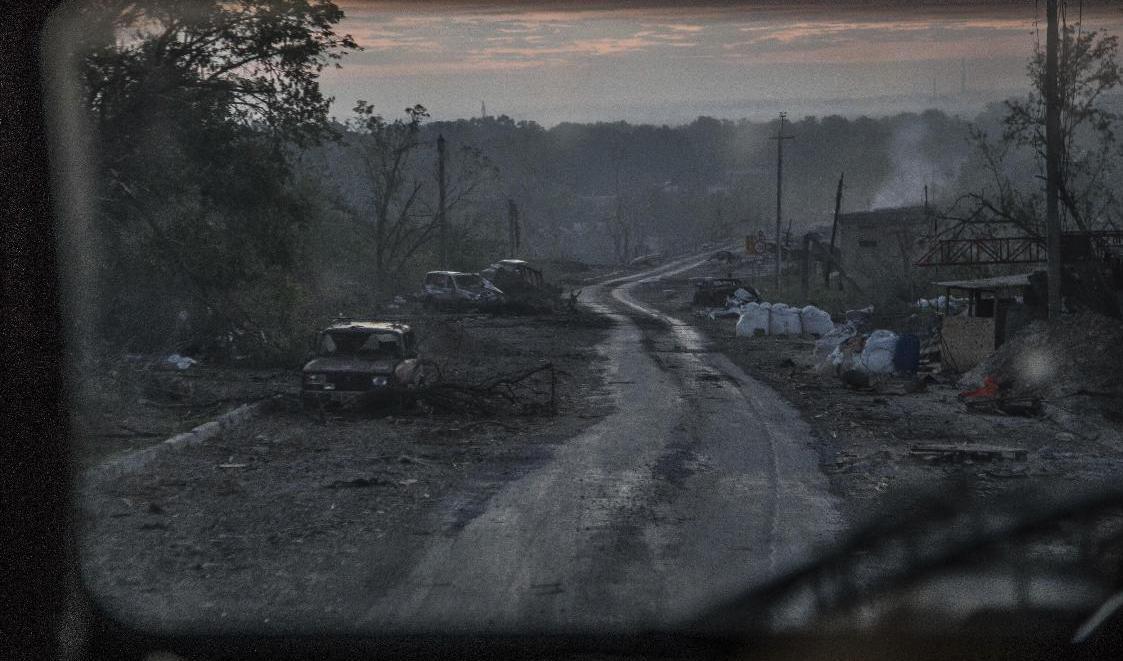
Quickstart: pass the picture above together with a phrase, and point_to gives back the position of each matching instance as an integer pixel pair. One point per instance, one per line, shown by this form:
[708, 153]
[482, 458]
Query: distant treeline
[227, 205]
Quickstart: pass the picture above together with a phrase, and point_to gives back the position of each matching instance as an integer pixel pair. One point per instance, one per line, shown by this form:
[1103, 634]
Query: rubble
[1078, 357]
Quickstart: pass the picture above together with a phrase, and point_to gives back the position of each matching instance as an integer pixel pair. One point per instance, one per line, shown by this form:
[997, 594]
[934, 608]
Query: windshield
[469, 281]
[353, 343]
[778, 270]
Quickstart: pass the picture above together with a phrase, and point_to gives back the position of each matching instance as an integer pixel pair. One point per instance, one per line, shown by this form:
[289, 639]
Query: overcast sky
[670, 62]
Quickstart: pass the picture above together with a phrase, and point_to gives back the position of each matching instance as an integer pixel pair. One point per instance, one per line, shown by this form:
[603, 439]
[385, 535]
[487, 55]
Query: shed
[997, 306]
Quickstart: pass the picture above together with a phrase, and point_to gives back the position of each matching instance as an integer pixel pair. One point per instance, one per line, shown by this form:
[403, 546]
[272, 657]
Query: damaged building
[877, 246]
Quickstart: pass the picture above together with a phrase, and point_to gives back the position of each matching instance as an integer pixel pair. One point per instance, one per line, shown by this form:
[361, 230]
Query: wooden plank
[967, 340]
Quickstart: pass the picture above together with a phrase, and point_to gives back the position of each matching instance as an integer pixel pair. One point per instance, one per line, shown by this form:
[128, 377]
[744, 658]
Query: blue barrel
[906, 358]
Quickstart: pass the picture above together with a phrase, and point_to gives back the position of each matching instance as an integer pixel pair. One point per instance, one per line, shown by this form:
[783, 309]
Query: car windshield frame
[476, 281]
[337, 343]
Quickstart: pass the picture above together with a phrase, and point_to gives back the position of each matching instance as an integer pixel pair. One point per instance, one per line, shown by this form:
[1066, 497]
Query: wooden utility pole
[779, 138]
[513, 233]
[442, 219]
[1052, 162]
[834, 233]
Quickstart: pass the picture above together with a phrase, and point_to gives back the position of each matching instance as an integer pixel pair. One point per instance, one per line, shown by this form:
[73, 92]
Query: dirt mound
[1077, 355]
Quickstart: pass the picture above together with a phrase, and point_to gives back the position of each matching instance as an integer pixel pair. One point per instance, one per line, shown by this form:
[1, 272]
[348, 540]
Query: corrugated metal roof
[996, 282]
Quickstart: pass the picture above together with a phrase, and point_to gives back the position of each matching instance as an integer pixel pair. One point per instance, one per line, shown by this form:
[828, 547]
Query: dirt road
[669, 478]
[702, 482]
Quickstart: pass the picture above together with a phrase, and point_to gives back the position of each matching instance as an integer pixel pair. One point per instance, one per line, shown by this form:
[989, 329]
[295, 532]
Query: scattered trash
[860, 319]
[987, 390]
[717, 292]
[180, 362]
[826, 345]
[960, 454]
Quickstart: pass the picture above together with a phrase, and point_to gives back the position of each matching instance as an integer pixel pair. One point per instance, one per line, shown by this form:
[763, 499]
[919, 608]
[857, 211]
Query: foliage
[384, 177]
[196, 107]
[1088, 71]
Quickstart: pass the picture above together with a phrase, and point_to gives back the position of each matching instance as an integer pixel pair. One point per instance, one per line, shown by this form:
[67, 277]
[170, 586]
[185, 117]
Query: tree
[1087, 71]
[399, 172]
[196, 107]
[398, 225]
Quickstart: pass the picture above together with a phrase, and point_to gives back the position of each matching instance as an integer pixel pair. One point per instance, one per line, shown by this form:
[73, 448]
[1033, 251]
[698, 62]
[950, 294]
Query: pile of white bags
[754, 317]
[784, 320]
[780, 319]
[877, 356]
[815, 321]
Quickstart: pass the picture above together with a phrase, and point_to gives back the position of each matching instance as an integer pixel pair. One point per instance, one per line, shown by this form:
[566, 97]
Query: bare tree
[398, 224]
[395, 157]
[1087, 70]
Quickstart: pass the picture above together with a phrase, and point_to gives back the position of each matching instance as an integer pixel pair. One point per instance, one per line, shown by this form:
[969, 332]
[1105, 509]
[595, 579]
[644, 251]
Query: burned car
[362, 361]
[514, 275]
[451, 289]
[713, 292]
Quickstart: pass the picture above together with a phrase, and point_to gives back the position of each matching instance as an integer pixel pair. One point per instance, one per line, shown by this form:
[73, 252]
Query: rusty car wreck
[361, 362]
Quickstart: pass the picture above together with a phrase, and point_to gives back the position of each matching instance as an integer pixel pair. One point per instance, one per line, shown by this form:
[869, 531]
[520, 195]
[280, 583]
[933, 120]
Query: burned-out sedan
[362, 361]
[452, 289]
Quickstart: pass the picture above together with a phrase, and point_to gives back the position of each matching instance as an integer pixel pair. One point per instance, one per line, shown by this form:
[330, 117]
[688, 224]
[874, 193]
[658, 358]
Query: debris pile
[1080, 355]
[1055, 359]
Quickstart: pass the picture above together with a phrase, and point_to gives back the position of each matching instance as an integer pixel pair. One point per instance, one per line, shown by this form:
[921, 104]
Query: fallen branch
[479, 423]
[492, 396]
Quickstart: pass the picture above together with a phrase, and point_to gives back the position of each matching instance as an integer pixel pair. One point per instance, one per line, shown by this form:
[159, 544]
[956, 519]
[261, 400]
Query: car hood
[339, 364]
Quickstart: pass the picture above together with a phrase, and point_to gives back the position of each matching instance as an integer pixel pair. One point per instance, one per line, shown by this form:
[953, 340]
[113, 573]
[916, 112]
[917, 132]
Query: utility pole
[834, 232]
[513, 238]
[1052, 163]
[442, 219]
[779, 138]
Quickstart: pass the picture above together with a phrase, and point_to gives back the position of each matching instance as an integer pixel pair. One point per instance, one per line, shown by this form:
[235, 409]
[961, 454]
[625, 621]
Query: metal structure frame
[958, 250]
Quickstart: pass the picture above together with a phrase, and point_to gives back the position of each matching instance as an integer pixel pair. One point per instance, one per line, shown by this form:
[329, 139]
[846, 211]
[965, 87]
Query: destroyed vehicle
[362, 361]
[450, 289]
[514, 276]
[713, 292]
